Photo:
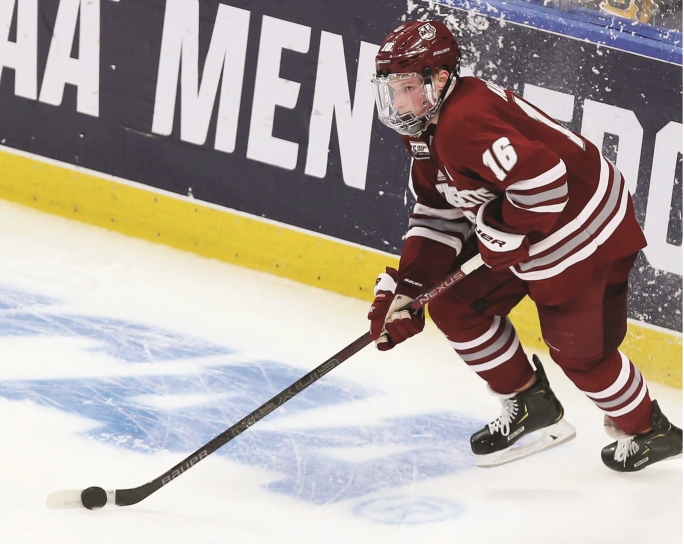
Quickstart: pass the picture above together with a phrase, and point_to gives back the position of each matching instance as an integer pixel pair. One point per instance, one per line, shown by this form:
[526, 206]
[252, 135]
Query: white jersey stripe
[545, 273]
[451, 241]
[453, 213]
[548, 177]
[441, 225]
[551, 208]
[582, 218]
[538, 198]
[565, 255]
[615, 221]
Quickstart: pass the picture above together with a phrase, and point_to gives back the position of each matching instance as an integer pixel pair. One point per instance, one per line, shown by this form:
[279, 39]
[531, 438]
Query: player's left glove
[390, 325]
[499, 249]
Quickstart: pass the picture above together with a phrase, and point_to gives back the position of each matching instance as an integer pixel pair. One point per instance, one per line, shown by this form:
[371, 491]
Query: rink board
[292, 135]
[210, 231]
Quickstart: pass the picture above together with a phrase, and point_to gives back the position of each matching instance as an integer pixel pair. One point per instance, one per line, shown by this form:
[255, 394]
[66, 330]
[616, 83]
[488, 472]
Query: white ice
[120, 357]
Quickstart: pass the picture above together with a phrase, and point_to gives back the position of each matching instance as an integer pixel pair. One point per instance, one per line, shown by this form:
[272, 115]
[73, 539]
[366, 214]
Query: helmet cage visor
[405, 102]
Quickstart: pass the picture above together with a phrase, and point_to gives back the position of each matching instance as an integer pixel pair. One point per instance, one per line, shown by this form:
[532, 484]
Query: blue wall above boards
[583, 24]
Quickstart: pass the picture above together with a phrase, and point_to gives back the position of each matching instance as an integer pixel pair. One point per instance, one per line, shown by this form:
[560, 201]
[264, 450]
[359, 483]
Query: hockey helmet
[408, 61]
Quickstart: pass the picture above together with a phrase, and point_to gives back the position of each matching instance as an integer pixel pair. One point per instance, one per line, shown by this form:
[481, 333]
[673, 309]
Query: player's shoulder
[473, 107]
[473, 98]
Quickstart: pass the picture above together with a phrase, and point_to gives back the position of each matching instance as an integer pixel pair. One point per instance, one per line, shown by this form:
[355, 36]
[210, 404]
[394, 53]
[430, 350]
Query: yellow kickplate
[189, 225]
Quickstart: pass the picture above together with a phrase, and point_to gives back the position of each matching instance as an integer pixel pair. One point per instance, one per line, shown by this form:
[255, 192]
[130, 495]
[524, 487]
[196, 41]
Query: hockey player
[552, 219]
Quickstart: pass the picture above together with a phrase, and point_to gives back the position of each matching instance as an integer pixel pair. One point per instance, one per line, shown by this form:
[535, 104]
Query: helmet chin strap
[449, 85]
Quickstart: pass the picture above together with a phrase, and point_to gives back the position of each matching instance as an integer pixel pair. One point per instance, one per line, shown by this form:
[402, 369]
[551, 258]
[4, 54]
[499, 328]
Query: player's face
[408, 95]
[405, 102]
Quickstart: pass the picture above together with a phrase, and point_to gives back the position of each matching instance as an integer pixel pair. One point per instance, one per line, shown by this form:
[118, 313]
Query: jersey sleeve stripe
[582, 218]
[423, 232]
[538, 198]
[541, 180]
[552, 201]
[551, 208]
[573, 248]
[588, 231]
[441, 225]
[451, 213]
[615, 221]
[563, 265]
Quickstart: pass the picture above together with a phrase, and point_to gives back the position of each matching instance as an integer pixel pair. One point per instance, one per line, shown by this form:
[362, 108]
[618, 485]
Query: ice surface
[120, 357]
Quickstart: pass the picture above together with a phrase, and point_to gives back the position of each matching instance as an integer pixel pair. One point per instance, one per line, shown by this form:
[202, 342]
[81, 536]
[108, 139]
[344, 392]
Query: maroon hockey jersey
[492, 153]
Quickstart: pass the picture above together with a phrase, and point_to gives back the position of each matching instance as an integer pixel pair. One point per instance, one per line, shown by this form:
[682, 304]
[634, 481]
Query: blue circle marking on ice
[408, 510]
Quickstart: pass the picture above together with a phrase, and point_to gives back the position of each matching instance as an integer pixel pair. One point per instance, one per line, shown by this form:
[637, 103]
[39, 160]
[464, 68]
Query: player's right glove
[390, 325]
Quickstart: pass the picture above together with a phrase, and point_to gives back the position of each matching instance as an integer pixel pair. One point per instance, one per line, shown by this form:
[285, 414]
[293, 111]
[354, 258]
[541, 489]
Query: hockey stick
[97, 497]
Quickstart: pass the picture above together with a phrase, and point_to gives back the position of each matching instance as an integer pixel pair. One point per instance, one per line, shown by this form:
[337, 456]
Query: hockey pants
[583, 334]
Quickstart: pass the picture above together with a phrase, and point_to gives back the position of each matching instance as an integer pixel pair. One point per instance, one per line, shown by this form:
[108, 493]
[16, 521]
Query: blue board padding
[583, 24]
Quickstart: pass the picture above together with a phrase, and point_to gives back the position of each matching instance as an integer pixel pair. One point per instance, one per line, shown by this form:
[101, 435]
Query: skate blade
[548, 437]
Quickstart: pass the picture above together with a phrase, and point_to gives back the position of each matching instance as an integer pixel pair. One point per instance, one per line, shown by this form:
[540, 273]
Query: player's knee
[575, 362]
[449, 313]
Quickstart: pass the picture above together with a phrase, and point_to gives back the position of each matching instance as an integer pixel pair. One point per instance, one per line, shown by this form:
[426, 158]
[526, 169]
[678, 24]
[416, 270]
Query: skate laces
[626, 445]
[624, 448]
[509, 409]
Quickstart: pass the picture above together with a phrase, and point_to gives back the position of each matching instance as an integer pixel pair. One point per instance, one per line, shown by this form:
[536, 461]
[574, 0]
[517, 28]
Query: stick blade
[73, 498]
[65, 498]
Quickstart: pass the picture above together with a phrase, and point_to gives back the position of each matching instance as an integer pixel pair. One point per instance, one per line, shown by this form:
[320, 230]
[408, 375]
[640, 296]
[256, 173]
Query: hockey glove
[390, 325]
[499, 249]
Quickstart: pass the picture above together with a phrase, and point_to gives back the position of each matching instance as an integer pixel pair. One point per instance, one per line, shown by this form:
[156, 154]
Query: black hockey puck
[93, 498]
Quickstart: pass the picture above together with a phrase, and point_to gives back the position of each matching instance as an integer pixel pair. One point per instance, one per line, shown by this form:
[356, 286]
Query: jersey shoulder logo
[420, 150]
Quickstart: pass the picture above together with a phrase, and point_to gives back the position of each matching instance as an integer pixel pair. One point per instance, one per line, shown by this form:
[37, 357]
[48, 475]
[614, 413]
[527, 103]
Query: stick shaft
[125, 497]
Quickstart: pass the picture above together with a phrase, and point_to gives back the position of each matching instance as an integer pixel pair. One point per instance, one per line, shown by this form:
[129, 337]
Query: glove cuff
[493, 239]
[385, 282]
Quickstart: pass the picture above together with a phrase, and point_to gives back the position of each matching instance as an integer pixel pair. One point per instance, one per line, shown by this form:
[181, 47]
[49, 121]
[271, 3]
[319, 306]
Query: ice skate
[531, 421]
[635, 452]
